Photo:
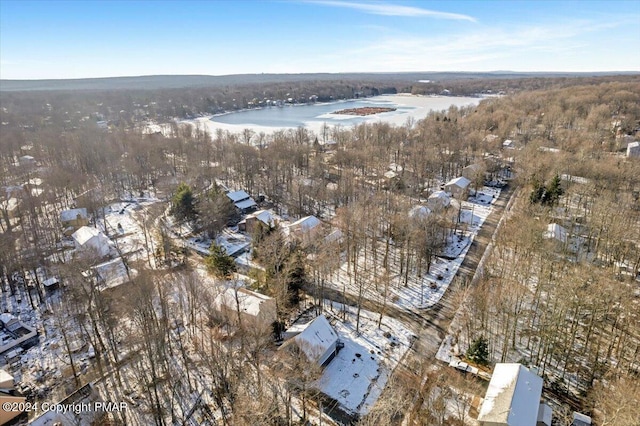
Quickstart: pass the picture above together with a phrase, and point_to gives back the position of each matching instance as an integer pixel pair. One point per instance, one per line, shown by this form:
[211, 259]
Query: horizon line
[327, 73]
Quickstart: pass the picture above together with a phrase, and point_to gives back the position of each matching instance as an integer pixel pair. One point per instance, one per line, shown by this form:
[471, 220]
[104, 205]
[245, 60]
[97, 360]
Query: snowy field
[359, 372]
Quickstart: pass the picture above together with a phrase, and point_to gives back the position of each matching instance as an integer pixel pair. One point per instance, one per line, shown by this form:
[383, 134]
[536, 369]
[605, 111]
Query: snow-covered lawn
[233, 242]
[123, 224]
[359, 372]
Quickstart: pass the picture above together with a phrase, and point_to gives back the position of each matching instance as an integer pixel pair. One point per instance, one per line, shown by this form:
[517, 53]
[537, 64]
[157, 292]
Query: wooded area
[568, 305]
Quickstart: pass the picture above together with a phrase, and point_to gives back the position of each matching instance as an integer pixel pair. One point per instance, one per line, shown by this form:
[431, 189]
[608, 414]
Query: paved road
[436, 320]
[431, 325]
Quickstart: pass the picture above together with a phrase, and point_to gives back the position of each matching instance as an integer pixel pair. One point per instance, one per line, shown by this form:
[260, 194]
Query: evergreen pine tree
[220, 263]
[478, 352]
[183, 205]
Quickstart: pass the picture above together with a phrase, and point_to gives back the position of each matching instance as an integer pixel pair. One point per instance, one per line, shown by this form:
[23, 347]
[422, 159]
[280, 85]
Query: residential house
[318, 341]
[508, 144]
[472, 171]
[27, 160]
[74, 218]
[243, 201]
[556, 232]
[111, 273]
[8, 395]
[419, 212]
[236, 304]
[458, 187]
[438, 201]
[15, 335]
[633, 149]
[89, 238]
[304, 229]
[250, 223]
[512, 398]
[580, 419]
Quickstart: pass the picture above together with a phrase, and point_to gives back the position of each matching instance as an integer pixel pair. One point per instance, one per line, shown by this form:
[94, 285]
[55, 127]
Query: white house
[304, 229]
[318, 341]
[513, 397]
[458, 187]
[438, 200]
[27, 160]
[254, 308]
[9, 396]
[112, 273]
[508, 144]
[419, 212]
[90, 238]
[633, 149]
[556, 232]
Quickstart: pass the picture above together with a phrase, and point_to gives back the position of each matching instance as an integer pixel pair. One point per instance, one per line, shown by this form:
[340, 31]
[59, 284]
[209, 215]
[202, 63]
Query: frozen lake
[311, 115]
[315, 116]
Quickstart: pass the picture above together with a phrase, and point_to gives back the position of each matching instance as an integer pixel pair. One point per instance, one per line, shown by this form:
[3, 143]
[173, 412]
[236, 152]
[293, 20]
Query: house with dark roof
[243, 201]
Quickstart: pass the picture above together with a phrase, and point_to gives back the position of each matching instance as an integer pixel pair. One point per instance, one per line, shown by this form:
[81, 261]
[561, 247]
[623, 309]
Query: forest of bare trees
[569, 307]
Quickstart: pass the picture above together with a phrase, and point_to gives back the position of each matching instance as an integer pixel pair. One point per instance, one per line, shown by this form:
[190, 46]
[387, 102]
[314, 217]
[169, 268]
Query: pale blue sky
[77, 39]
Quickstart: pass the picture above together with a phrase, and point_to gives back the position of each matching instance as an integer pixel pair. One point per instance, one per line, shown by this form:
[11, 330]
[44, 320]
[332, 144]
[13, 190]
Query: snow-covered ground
[123, 223]
[427, 289]
[359, 372]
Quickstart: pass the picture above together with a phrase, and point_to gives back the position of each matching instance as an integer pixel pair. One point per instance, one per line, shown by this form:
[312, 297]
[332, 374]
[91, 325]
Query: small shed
[633, 149]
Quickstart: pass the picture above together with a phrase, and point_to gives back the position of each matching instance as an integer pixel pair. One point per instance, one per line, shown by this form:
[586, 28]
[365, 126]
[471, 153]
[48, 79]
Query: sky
[83, 39]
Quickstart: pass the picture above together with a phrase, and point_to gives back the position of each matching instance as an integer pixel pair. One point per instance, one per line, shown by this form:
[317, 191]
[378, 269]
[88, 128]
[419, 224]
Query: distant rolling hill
[155, 82]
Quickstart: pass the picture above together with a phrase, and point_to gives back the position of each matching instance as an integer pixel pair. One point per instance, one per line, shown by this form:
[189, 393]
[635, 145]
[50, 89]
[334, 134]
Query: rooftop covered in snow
[73, 214]
[513, 397]
[557, 232]
[461, 182]
[236, 196]
[245, 204]
[306, 223]
[318, 340]
[251, 304]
